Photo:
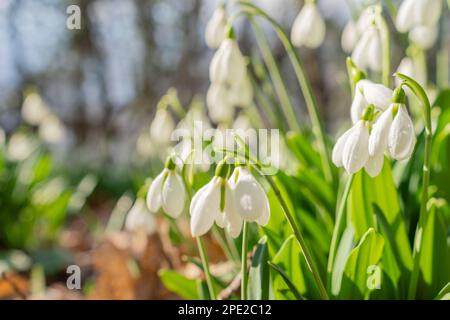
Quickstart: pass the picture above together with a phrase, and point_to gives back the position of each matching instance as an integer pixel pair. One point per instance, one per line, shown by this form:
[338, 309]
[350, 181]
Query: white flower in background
[34, 110]
[228, 66]
[52, 130]
[428, 12]
[214, 203]
[167, 191]
[220, 109]
[367, 53]
[309, 27]
[350, 36]
[368, 92]
[424, 36]
[162, 127]
[216, 28]
[250, 200]
[351, 149]
[406, 14]
[139, 218]
[241, 94]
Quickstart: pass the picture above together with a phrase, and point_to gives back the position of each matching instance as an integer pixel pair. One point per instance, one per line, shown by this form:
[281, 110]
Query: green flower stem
[204, 258]
[338, 226]
[275, 75]
[299, 237]
[244, 276]
[305, 86]
[422, 96]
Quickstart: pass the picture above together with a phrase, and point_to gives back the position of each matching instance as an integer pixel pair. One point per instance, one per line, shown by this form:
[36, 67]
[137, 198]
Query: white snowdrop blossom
[139, 218]
[228, 66]
[354, 152]
[220, 108]
[216, 28]
[162, 127]
[367, 53]
[214, 203]
[368, 92]
[250, 200]
[309, 27]
[424, 36]
[167, 191]
[241, 93]
[350, 36]
[414, 13]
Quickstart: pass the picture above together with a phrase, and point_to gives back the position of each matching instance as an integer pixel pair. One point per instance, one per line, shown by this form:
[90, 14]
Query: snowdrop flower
[406, 14]
[350, 36]
[428, 12]
[216, 28]
[353, 151]
[139, 218]
[220, 108]
[228, 65]
[309, 28]
[424, 36]
[167, 191]
[368, 92]
[250, 200]
[241, 94]
[214, 203]
[393, 131]
[367, 53]
[162, 127]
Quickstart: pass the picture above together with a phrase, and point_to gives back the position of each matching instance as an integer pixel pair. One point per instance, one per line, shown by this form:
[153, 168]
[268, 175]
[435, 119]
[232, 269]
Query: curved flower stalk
[420, 94]
[309, 27]
[139, 218]
[420, 18]
[167, 191]
[216, 27]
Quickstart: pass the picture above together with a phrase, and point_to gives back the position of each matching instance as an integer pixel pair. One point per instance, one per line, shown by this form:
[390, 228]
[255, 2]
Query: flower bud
[216, 27]
[228, 65]
[309, 28]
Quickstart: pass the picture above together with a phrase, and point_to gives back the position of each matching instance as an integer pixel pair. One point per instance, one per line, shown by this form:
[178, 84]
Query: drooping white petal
[350, 36]
[173, 195]
[154, 194]
[218, 102]
[249, 196]
[378, 139]
[374, 51]
[228, 65]
[359, 103]
[355, 153]
[424, 36]
[339, 148]
[205, 207]
[376, 94]
[241, 94]
[374, 165]
[232, 218]
[309, 28]
[263, 220]
[216, 27]
[162, 127]
[139, 218]
[427, 12]
[402, 137]
[405, 20]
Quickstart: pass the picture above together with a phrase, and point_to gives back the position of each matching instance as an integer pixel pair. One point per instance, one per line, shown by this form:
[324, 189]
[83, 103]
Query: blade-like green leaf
[362, 261]
[343, 251]
[259, 274]
[288, 282]
[179, 284]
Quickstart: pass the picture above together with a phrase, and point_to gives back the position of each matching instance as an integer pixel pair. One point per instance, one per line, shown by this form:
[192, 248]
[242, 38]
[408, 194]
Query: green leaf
[434, 257]
[444, 294]
[259, 274]
[342, 253]
[288, 281]
[179, 284]
[366, 255]
[290, 259]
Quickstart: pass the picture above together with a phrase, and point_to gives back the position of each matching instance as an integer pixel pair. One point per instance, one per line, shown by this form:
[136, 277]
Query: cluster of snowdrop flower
[381, 124]
[420, 19]
[230, 84]
[363, 39]
[229, 202]
[309, 28]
